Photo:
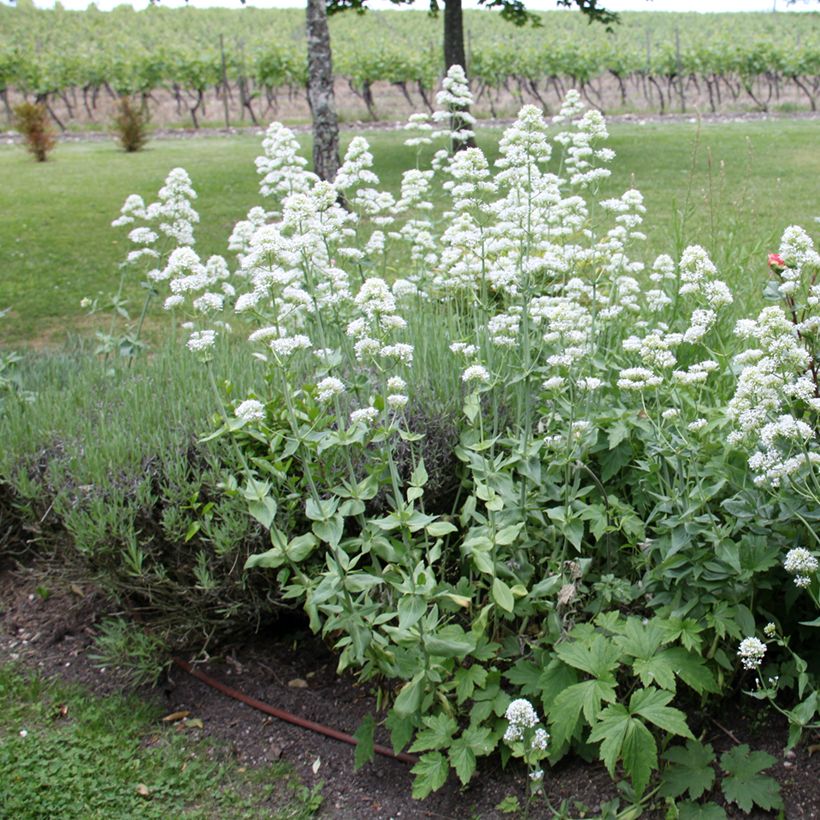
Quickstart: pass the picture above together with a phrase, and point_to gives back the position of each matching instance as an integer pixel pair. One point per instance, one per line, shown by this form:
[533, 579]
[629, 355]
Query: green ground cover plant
[141, 511]
[66, 753]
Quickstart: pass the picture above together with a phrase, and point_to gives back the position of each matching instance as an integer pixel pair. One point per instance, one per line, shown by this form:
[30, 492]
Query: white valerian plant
[514, 300]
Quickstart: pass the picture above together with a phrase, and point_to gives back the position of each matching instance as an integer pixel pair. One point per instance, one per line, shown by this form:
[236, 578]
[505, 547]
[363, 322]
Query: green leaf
[574, 531]
[410, 608]
[321, 510]
[301, 547]
[409, 698]
[484, 563]
[263, 510]
[431, 774]
[438, 529]
[692, 670]
[639, 639]
[625, 737]
[745, 785]
[463, 760]
[617, 433]
[418, 478]
[598, 657]
[585, 697]
[658, 669]
[509, 805]
[362, 581]
[651, 704]
[270, 559]
[553, 680]
[467, 679]
[364, 746]
[506, 536]
[700, 811]
[400, 728]
[438, 733]
[611, 731]
[502, 595]
[463, 752]
[330, 531]
[449, 647]
[688, 769]
[640, 754]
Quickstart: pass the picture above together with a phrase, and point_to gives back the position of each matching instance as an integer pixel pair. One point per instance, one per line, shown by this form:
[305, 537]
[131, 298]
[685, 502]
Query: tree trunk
[454, 55]
[320, 93]
[454, 35]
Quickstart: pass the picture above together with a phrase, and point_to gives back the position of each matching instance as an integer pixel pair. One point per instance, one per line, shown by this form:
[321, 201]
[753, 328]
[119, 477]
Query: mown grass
[69, 754]
[732, 187]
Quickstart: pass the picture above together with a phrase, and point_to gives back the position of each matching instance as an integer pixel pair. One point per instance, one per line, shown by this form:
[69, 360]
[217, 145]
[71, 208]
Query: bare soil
[172, 112]
[288, 668]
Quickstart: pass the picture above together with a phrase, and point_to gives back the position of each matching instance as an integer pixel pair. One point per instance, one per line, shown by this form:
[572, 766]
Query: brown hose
[287, 716]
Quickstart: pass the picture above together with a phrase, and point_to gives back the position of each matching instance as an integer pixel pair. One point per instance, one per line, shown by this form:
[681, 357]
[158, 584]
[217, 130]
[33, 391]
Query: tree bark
[320, 93]
[454, 35]
[454, 55]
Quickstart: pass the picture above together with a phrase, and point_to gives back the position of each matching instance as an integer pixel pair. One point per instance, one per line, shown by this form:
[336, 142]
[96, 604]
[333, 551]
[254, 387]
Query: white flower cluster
[751, 651]
[281, 167]
[776, 405]
[250, 410]
[802, 564]
[521, 715]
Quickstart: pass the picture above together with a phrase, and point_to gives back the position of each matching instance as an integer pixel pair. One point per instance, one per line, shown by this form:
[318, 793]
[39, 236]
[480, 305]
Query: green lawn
[747, 181]
[69, 754]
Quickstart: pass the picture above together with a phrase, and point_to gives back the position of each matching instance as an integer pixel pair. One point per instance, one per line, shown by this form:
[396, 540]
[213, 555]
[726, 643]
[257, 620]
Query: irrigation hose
[281, 714]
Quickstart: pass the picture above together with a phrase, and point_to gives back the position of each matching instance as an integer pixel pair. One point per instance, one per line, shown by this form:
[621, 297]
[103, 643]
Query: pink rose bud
[776, 262]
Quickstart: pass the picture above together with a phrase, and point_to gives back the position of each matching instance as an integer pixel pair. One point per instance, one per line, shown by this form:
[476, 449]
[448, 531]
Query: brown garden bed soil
[53, 634]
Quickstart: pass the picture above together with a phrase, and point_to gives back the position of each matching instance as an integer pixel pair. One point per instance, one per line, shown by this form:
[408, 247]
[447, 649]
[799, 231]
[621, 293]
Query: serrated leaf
[692, 670]
[462, 758]
[744, 783]
[364, 746]
[610, 731]
[658, 669]
[597, 657]
[689, 769]
[437, 734]
[400, 728]
[431, 774]
[640, 755]
[585, 697]
[624, 737]
[651, 704]
[467, 679]
[509, 805]
[525, 675]
[700, 811]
